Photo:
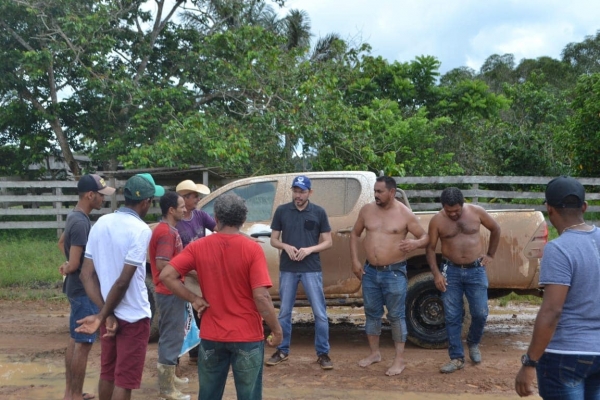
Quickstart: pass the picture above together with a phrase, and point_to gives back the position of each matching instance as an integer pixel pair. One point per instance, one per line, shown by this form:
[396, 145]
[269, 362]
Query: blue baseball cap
[301, 182]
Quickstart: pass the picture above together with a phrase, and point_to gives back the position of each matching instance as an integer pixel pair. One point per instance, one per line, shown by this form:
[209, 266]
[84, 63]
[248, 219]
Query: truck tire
[154, 309]
[425, 314]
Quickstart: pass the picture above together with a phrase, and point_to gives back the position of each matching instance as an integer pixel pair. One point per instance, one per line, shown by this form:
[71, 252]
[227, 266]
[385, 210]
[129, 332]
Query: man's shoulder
[162, 229]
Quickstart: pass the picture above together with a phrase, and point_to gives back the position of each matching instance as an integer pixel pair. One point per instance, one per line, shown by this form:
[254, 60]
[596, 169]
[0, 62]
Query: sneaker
[277, 357]
[325, 362]
[474, 353]
[452, 366]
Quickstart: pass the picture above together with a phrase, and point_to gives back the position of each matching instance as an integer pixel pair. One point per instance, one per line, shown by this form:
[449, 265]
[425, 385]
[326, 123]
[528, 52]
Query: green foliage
[233, 85]
[583, 140]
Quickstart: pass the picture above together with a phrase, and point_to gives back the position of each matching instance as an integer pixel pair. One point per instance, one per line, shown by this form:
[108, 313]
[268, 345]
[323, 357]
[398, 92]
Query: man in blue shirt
[301, 230]
[564, 347]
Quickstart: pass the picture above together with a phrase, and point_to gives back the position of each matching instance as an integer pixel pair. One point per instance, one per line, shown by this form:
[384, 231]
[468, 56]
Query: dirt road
[34, 335]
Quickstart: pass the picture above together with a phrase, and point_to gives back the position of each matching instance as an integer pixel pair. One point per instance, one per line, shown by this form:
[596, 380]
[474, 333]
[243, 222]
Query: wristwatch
[528, 362]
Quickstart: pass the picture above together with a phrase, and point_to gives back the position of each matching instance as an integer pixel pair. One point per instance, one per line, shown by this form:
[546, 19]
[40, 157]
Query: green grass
[29, 267]
[515, 298]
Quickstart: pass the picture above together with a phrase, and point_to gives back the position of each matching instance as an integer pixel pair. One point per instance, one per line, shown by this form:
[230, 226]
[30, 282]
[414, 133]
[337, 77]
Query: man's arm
[90, 282]
[264, 305]
[415, 228]
[72, 265]
[278, 244]
[543, 330]
[357, 230]
[489, 222]
[61, 242]
[325, 242]
[91, 323]
[172, 280]
[434, 235]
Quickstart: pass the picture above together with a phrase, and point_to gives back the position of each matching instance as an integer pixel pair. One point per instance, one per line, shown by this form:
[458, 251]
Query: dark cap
[139, 188]
[94, 183]
[302, 182]
[560, 188]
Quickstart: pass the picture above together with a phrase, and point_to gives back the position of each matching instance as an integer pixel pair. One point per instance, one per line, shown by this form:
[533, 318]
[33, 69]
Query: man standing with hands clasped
[564, 348]
[462, 272]
[301, 230]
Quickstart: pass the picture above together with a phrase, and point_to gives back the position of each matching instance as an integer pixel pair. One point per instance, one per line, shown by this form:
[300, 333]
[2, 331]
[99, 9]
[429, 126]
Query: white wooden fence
[56, 198]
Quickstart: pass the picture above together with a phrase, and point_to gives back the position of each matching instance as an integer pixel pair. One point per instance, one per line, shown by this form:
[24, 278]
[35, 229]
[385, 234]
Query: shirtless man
[462, 272]
[384, 280]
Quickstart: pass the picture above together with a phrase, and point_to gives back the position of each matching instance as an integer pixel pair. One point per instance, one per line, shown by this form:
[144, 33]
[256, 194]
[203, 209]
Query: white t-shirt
[115, 240]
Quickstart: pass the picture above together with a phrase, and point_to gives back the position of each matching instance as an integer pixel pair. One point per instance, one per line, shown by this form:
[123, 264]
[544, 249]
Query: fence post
[57, 206]
[113, 197]
[475, 187]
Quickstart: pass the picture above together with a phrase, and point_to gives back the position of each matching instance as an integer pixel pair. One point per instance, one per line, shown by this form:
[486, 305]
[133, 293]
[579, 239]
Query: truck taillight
[535, 247]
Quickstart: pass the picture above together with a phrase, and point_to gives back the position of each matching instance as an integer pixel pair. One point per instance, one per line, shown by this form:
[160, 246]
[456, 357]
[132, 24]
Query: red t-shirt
[229, 267]
[164, 245]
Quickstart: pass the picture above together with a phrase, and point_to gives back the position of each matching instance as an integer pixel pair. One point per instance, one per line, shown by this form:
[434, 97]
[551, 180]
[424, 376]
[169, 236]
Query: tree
[583, 138]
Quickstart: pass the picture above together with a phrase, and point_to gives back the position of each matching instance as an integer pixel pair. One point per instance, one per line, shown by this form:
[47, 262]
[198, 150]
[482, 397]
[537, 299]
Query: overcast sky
[457, 32]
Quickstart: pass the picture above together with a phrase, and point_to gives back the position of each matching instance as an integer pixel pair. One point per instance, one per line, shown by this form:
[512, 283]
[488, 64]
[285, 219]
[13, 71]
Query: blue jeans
[569, 376]
[246, 361]
[385, 288]
[312, 282]
[473, 283]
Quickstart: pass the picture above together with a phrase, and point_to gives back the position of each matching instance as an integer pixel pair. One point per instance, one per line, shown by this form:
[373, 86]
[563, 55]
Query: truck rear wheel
[425, 314]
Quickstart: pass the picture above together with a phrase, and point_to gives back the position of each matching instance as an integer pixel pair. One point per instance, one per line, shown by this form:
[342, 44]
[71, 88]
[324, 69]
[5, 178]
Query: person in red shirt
[233, 276]
[164, 245]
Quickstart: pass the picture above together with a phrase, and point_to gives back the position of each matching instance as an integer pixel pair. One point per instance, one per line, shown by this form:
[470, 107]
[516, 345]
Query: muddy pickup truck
[342, 194]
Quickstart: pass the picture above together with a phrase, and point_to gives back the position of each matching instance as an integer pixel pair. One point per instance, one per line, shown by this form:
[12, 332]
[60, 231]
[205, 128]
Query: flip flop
[88, 396]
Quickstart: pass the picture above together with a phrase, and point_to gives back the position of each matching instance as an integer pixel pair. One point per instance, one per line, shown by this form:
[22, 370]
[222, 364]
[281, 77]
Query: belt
[474, 264]
[390, 267]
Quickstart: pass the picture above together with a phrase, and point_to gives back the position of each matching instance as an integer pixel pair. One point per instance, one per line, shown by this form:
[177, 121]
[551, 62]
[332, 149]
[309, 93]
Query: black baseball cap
[560, 188]
[94, 183]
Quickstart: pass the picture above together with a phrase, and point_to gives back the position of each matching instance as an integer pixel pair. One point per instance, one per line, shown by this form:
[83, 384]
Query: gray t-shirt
[77, 229]
[573, 259]
[300, 229]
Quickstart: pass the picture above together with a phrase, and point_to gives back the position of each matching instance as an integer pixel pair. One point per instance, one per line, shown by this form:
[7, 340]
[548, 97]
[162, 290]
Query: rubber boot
[166, 383]
[180, 382]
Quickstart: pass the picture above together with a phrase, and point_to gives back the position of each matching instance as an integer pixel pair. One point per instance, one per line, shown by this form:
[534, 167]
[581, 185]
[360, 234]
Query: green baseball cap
[160, 191]
[139, 188]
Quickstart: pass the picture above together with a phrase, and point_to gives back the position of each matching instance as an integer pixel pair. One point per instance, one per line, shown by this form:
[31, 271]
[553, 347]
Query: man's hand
[291, 251]
[89, 324]
[275, 339]
[200, 305]
[358, 270]
[440, 282]
[486, 260]
[303, 253]
[408, 245]
[111, 326]
[63, 268]
[524, 381]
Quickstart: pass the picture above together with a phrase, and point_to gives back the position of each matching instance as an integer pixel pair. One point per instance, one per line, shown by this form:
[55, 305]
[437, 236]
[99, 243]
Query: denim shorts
[81, 307]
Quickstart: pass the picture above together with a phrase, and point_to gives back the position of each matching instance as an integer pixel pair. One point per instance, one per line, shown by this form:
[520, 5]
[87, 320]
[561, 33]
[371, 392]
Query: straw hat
[188, 186]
